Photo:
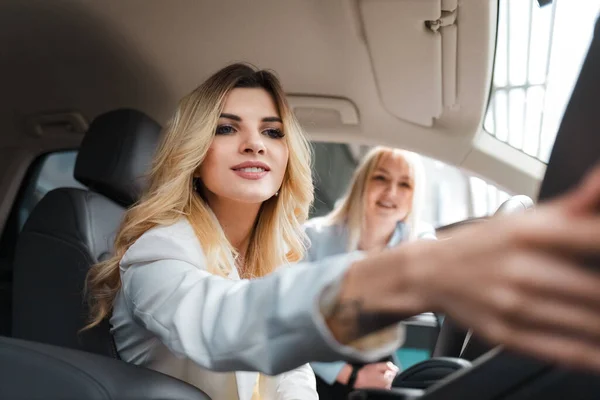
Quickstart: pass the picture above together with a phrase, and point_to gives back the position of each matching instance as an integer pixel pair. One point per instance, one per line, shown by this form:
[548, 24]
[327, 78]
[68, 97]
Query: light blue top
[328, 240]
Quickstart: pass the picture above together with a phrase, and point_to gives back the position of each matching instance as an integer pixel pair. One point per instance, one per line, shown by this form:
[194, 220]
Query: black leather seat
[38, 371]
[71, 229]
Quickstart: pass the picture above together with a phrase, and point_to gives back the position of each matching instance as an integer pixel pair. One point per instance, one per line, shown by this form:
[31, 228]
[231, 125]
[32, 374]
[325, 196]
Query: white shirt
[175, 317]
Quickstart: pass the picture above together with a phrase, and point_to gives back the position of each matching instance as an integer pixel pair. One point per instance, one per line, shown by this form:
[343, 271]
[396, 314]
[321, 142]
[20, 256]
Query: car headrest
[515, 204]
[116, 154]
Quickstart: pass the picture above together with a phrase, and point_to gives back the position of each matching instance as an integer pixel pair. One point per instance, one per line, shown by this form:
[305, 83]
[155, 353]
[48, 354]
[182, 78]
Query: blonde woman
[193, 289]
[380, 209]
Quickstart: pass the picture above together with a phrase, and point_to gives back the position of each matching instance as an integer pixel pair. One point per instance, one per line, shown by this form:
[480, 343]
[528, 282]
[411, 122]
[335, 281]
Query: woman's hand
[374, 376]
[519, 281]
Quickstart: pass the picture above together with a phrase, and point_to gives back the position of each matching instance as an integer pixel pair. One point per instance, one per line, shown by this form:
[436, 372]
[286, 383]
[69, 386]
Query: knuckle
[516, 269]
[497, 331]
[508, 303]
[520, 232]
[579, 354]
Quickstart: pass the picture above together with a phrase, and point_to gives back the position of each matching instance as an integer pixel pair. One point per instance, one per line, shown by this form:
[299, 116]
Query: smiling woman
[238, 171]
[381, 208]
[386, 189]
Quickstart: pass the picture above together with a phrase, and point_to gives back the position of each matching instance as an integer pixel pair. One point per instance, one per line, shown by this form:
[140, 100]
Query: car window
[539, 53]
[333, 166]
[451, 194]
[51, 171]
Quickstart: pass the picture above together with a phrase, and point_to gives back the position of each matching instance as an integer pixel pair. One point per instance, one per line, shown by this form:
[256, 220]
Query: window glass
[52, 171]
[539, 52]
[451, 195]
[333, 166]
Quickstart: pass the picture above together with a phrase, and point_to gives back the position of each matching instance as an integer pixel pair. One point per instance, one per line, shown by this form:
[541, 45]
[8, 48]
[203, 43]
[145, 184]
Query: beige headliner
[93, 56]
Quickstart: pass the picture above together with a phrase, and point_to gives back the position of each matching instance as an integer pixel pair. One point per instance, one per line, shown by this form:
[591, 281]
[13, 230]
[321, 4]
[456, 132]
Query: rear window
[451, 194]
[51, 171]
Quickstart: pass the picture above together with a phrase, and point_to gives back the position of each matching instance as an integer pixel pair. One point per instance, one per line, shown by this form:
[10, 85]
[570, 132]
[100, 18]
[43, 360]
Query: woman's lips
[252, 173]
[386, 204]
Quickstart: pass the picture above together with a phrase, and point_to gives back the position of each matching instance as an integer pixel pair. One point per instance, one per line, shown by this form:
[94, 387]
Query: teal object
[411, 356]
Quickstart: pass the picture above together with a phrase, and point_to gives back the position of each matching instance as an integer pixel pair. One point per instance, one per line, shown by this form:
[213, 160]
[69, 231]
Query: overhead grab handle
[56, 122]
[345, 108]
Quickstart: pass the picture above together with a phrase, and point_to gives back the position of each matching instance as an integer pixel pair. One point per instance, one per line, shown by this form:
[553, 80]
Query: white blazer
[173, 316]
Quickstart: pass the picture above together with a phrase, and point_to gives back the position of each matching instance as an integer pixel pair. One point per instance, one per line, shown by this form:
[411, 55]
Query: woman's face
[248, 157]
[389, 190]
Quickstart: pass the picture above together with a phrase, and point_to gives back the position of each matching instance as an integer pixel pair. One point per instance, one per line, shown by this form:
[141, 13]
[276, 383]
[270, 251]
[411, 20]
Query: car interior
[87, 87]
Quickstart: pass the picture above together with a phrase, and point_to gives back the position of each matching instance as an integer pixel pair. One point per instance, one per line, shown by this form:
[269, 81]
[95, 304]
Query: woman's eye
[379, 178]
[274, 133]
[224, 130]
[405, 185]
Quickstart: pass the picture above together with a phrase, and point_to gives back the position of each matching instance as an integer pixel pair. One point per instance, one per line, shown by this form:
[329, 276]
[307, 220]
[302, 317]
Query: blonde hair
[349, 210]
[277, 237]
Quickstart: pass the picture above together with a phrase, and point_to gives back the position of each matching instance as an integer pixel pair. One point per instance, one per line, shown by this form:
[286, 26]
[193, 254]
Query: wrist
[353, 376]
[423, 267]
[395, 281]
[344, 374]
[378, 291]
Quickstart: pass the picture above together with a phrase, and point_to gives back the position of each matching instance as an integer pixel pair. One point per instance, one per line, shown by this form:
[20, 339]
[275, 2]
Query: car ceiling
[361, 71]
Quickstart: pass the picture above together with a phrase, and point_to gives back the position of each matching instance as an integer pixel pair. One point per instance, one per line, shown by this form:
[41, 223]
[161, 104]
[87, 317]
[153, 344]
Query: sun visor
[413, 50]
